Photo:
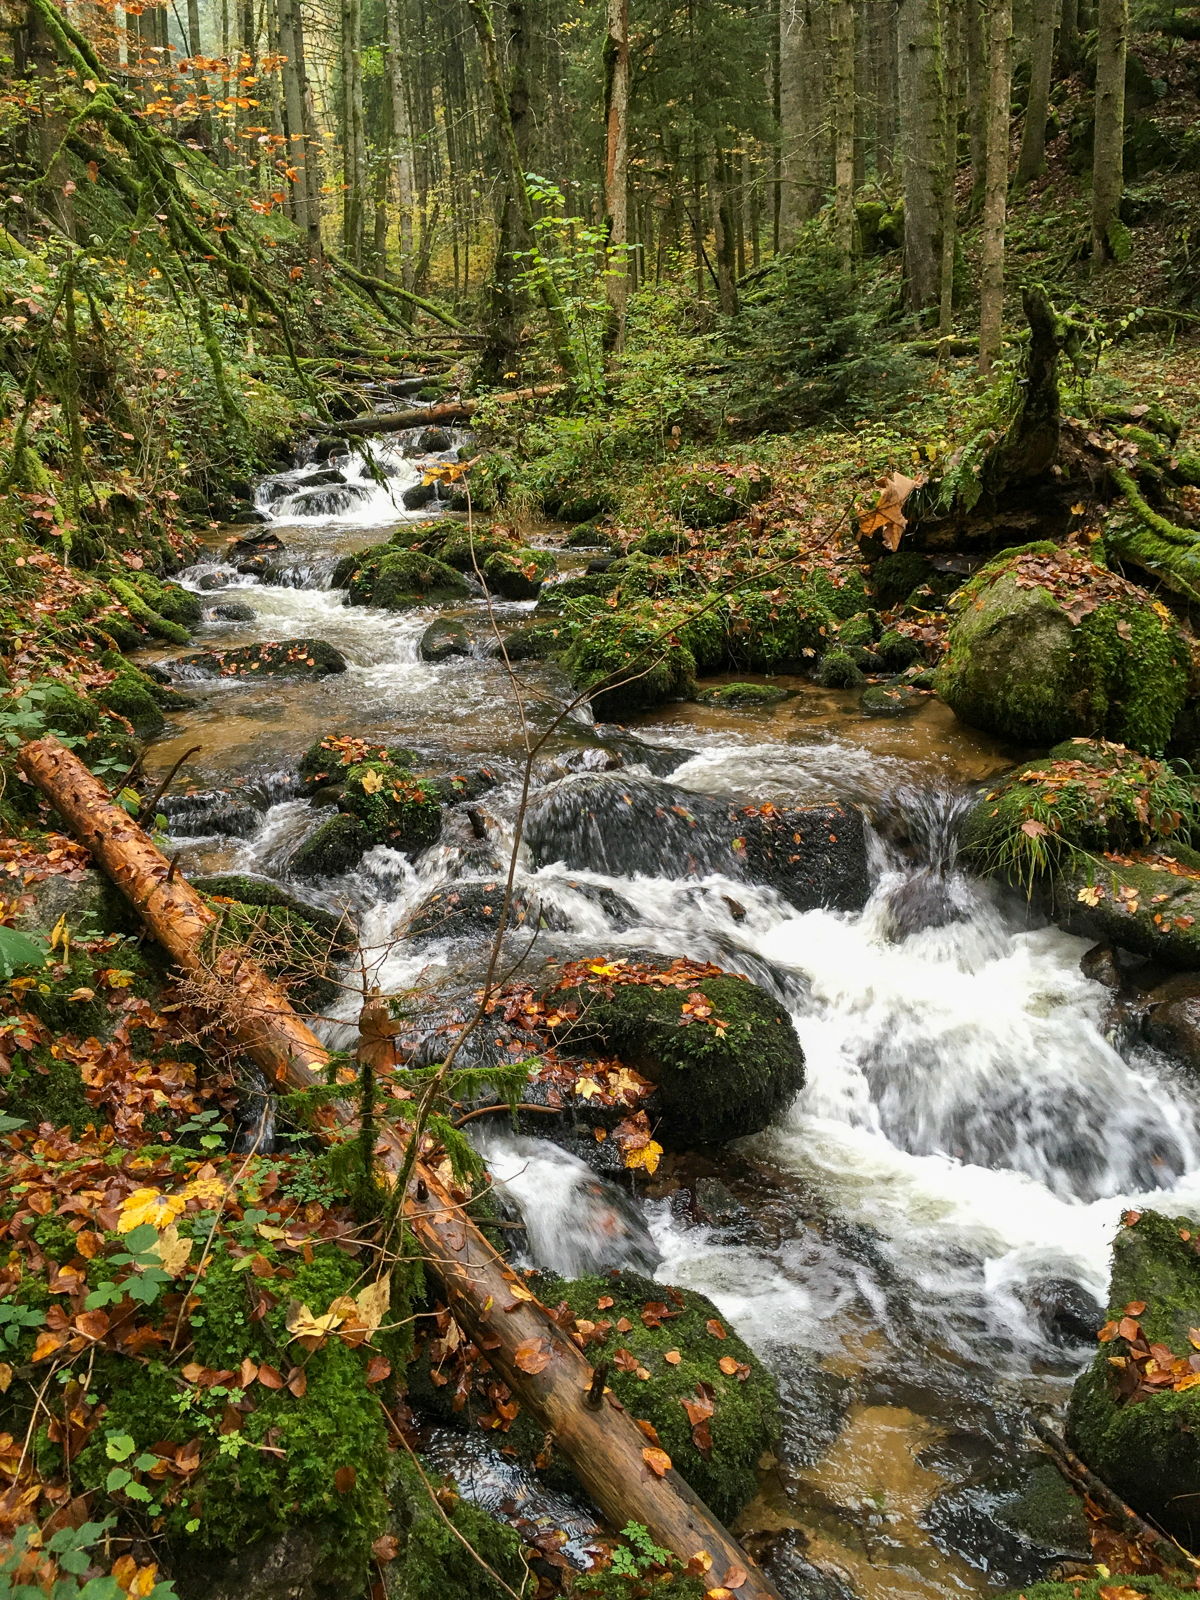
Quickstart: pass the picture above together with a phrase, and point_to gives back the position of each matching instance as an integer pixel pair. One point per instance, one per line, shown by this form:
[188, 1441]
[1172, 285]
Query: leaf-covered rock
[287, 658]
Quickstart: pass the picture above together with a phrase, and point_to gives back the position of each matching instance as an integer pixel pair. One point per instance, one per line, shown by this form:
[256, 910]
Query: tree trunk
[51, 123]
[616, 171]
[401, 136]
[801, 115]
[1032, 162]
[353, 142]
[1068, 38]
[951, 38]
[1108, 179]
[556, 311]
[991, 288]
[923, 147]
[603, 1444]
[724, 230]
[842, 17]
[293, 110]
[977, 103]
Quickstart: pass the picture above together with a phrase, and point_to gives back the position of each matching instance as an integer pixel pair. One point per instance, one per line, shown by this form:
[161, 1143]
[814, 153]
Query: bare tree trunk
[991, 288]
[842, 18]
[951, 41]
[1108, 177]
[1032, 162]
[401, 136]
[556, 311]
[923, 146]
[801, 114]
[724, 230]
[616, 170]
[354, 177]
[977, 102]
[1068, 37]
[293, 110]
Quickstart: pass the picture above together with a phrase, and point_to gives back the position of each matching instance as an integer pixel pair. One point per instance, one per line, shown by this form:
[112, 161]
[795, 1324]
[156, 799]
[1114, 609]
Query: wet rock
[812, 855]
[1142, 906]
[396, 807]
[443, 639]
[259, 544]
[719, 1076]
[289, 658]
[470, 784]
[839, 670]
[462, 909]
[897, 651]
[1147, 1449]
[1173, 1018]
[1048, 1515]
[212, 580]
[290, 1566]
[419, 495]
[1019, 665]
[398, 580]
[1066, 1313]
[87, 901]
[923, 900]
[1100, 964]
[891, 700]
[434, 441]
[234, 611]
[536, 641]
[159, 674]
[248, 517]
[741, 696]
[337, 846]
[517, 574]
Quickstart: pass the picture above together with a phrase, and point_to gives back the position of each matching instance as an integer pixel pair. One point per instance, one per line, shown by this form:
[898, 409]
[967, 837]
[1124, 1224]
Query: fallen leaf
[1135, 1308]
[373, 1302]
[673, 1357]
[658, 1461]
[297, 1383]
[533, 1356]
[377, 1030]
[386, 1547]
[149, 1205]
[372, 781]
[6, 1376]
[344, 1479]
[270, 1377]
[715, 1328]
[648, 1429]
[735, 1577]
[1034, 829]
[173, 1251]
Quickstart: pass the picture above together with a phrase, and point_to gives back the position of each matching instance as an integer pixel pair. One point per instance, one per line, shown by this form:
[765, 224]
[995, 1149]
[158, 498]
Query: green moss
[324, 763]
[1094, 1589]
[150, 619]
[845, 597]
[129, 698]
[897, 651]
[839, 670]
[741, 696]
[744, 1422]
[539, 641]
[894, 577]
[1140, 671]
[517, 574]
[41, 1089]
[402, 811]
[581, 586]
[707, 496]
[463, 551]
[337, 846]
[1149, 1452]
[169, 600]
[398, 580]
[627, 659]
[859, 630]
[715, 1082]
[434, 1564]
[296, 942]
[770, 631]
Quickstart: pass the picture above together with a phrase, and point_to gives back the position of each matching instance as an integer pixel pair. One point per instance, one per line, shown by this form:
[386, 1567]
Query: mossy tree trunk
[1108, 179]
[1032, 162]
[995, 199]
[354, 151]
[975, 28]
[951, 39]
[801, 114]
[923, 146]
[842, 18]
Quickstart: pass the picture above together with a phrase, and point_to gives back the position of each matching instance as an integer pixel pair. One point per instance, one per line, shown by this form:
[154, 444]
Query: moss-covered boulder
[839, 670]
[89, 729]
[708, 496]
[626, 660]
[465, 550]
[1129, 1419]
[777, 630]
[722, 1051]
[329, 759]
[464, 909]
[447, 1547]
[1098, 1588]
[1146, 900]
[518, 573]
[891, 700]
[667, 1322]
[284, 658]
[399, 580]
[137, 697]
[538, 641]
[742, 696]
[335, 847]
[296, 941]
[897, 651]
[1047, 644]
[443, 639]
[170, 600]
[395, 806]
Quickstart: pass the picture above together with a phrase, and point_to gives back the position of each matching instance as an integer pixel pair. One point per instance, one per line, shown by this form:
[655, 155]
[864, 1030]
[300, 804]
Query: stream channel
[912, 1247]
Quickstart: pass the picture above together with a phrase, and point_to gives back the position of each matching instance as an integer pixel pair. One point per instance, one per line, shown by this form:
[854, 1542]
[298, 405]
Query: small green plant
[145, 1283]
[59, 1567]
[210, 1129]
[17, 1319]
[639, 1552]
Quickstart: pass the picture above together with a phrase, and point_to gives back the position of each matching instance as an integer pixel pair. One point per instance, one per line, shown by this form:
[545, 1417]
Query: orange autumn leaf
[533, 1356]
[715, 1328]
[673, 1357]
[658, 1461]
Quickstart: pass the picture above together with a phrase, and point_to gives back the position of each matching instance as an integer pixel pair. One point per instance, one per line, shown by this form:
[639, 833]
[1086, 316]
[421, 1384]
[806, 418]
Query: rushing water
[912, 1246]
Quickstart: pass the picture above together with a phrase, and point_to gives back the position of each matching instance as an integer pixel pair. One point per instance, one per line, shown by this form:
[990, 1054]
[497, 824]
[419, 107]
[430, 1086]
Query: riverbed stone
[285, 658]
[443, 639]
[518, 573]
[538, 641]
[335, 847]
[398, 580]
[463, 909]
[395, 806]
[234, 611]
[741, 696]
[721, 1050]
[891, 700]
[1148, 902]
[839, 670]
[1172, 1012]
[296, 942]
[1047, 644]
[1147, 1449]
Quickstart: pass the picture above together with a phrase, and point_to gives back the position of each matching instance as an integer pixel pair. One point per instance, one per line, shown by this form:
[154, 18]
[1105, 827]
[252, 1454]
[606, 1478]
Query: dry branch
[604, 1446]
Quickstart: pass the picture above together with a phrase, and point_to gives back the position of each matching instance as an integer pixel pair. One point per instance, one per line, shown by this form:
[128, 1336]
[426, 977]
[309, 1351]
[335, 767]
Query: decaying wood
[603, 1445]
[445, 411]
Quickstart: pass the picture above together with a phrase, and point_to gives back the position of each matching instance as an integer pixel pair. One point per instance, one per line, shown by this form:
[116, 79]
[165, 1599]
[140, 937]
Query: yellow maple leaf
[646, 1156]
[373, 1302]
[149, 1205]
[372, 781]
[301, 1323]
[1091, 896]
[173, 1251]
[585, 1088]
[205, 1190]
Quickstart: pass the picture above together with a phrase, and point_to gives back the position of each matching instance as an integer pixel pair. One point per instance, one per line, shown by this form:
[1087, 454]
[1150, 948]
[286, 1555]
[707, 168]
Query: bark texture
[842, 18]
[1032, 161]
[616, 170]
[604, 1445]
[1108, 177]
[951, 38]
[922, 144]
[995, 199]
[801, 115]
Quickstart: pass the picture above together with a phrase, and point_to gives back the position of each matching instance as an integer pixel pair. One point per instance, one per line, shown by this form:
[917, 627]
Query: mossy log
[603, 1444]
[447, 411]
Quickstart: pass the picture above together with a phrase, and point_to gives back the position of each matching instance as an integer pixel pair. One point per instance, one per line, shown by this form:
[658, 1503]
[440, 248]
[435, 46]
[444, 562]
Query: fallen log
[603, 1444]
[443, 411]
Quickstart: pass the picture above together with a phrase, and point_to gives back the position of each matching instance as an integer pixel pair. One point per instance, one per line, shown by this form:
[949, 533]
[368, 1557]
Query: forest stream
[919, 1247]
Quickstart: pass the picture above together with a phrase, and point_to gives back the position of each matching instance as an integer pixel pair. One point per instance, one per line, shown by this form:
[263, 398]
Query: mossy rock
[336, 847]
[463, 909]
[65, 712]
[518, 574]
[434, 1562]
[134, 696]
[146, 616]
[538, 641]
[1141, 902]
[891, 700]
[593, 586]
[402, 579]
[444, 639]
[775, 632]
[284, 658]
[170, 600]
[299, 942]
[1095, 1589]
[56, 1095]
[894, 577]
[395, 807]
[662, 542]
[845, 594]
[745, 1419]
[627, 660]
[587, 536]
[861, 630]
[325, 762]
[1148, 1451]
[897, 651]
[345, 569]
[1017, 665]
[839, 670]
[463, 551]
[718, 1077]
[709, 496]
[742, 696]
